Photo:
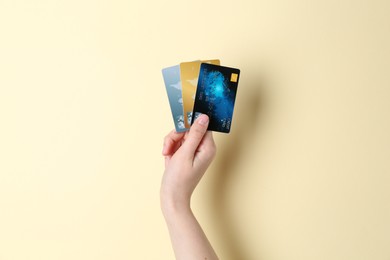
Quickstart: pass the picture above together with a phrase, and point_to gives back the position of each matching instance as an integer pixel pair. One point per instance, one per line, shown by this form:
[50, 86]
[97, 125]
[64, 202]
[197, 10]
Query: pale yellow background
[304, 174]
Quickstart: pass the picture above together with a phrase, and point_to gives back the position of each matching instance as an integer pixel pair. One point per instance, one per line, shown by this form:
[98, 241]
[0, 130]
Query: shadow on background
[245, 128]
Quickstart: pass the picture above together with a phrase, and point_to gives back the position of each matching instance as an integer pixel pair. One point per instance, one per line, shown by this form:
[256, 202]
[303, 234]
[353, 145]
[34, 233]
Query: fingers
[170, 142]
[195, 135]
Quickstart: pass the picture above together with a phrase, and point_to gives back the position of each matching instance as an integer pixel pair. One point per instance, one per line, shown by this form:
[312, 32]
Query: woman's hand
[187, 156]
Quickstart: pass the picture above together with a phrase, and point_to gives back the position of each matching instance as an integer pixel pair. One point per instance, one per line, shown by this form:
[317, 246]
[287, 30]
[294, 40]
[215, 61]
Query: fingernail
[203, 119]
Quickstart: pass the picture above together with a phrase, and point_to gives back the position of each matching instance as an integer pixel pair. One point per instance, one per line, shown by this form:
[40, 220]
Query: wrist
[172, 204]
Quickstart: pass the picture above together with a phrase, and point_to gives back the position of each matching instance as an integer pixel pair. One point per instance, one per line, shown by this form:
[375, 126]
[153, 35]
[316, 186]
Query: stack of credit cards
[201, 87]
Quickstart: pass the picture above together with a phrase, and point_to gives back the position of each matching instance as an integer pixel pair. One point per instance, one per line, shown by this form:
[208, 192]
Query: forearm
[188, 239]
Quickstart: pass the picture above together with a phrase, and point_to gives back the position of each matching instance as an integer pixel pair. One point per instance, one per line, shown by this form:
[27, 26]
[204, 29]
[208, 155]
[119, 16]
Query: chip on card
[173, 86]
[189, 72]
[215, 96]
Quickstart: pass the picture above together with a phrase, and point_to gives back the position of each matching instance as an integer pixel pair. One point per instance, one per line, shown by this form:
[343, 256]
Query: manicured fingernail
[203, 119]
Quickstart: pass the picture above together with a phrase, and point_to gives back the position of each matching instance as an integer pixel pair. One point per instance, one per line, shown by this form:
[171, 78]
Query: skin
[187, 157]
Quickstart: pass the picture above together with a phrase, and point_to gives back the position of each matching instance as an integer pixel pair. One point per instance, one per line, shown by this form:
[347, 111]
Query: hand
[187, 156]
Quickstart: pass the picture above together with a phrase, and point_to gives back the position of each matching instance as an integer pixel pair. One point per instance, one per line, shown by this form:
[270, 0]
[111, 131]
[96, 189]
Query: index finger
[170, 141]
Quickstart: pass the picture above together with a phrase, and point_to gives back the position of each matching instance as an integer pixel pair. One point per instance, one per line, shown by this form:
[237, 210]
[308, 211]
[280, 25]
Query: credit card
[173, 87]
[189, 73]
[215, 96]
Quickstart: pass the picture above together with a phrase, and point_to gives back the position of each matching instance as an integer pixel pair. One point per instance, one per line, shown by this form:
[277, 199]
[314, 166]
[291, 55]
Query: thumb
[195, 136]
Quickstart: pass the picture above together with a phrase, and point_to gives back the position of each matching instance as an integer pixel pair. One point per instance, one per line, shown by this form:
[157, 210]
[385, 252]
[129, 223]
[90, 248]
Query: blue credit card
[215, 95]
[173, 87]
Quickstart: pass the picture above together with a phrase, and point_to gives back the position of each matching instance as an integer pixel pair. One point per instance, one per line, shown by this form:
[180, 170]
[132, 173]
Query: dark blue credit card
[215, 95]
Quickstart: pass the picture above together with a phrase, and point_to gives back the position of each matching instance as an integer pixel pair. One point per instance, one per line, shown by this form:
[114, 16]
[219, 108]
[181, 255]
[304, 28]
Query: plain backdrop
[304, 174]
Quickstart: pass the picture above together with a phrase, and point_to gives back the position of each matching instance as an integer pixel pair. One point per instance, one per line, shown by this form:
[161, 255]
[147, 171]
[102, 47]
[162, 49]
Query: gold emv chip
[234, 77]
